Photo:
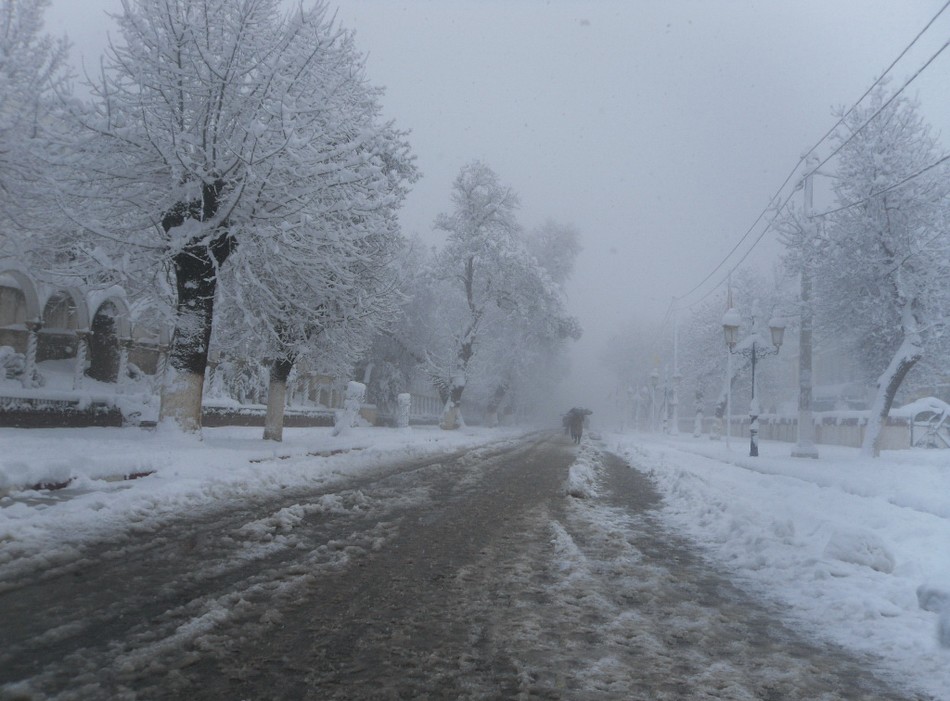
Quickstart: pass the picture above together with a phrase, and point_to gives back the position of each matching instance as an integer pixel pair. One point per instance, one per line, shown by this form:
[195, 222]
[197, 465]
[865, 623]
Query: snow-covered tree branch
[883, 268]
[222, 130]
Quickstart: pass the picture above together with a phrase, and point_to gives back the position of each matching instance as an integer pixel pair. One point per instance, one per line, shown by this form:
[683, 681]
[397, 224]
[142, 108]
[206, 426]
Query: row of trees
[870, 272]
[229, 158]
[881, 261]
[486, 311]
[231, 169]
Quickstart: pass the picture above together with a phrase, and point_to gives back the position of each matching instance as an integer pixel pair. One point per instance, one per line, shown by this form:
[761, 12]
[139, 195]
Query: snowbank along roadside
[184, 475]
[855, 550]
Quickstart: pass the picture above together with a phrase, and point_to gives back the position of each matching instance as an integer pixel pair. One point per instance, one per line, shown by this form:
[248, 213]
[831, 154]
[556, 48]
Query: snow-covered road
[603, 601]
[524, 569]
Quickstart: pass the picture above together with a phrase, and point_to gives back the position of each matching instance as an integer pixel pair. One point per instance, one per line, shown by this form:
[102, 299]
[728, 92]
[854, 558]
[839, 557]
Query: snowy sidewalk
[851, 549]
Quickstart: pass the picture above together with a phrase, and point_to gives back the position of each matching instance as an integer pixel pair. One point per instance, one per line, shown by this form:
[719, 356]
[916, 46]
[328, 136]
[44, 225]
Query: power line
[768, 227]
[741, 240]
[828, 133]
[879, 109]
[875, 83]
[784, 204]
[885, 190]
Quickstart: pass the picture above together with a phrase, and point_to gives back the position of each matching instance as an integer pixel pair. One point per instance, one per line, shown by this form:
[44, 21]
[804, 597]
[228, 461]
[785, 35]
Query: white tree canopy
[884, 262]
[32, 70]
[494, 293]
[223, 131]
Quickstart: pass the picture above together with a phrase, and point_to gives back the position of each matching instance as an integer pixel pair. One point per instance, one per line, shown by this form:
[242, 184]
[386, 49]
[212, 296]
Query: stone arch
[104, 344]
[110, 336]
[14, 279]
[13, 310]
[19, 308]
[115, 296]
[64, 315]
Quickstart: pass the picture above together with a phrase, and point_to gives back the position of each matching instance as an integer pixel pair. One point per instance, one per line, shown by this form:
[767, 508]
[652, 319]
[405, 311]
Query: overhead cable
[804, 156]
[879, 109]
[885, 190]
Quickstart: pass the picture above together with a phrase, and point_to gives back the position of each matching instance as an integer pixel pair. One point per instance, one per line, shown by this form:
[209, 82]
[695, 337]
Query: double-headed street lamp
[754, 348]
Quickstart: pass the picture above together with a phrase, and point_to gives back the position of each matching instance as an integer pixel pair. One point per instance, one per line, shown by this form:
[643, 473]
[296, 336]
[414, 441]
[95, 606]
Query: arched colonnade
[92, 327]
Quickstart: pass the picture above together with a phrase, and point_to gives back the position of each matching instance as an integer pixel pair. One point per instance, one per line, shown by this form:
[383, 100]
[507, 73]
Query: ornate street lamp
[730, 327]
[754, 348]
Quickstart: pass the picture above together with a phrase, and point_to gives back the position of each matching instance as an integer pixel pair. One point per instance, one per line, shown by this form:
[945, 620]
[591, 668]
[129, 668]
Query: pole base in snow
[450, 420]
[753, 432]
[805, 451]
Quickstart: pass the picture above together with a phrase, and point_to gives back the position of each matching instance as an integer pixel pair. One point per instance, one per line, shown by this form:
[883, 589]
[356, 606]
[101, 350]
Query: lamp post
[654, 379]
[674, 399]
[698, 418]
[805, 447]
[643, 397]
[630, 408]
[665, 421]
[754, 348]
[635, 406]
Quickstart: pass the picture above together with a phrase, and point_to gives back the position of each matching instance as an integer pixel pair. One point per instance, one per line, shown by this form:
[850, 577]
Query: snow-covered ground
[855, 550]
[182, 474]
[851, 548]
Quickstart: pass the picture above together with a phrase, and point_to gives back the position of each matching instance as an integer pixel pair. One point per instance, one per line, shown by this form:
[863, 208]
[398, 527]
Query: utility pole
[674, 399]
[728, 371]
[805, 448]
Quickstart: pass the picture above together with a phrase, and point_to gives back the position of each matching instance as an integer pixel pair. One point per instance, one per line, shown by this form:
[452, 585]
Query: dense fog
[661, 133]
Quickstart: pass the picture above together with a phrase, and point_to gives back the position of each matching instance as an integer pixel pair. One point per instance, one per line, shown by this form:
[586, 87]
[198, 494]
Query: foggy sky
[659, 129]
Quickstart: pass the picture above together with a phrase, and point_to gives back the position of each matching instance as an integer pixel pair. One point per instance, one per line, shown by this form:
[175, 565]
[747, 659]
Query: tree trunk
[184, 375]
[887, 385]
[276, 399]
[452, 413]
[196, 279]
[495, 404]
